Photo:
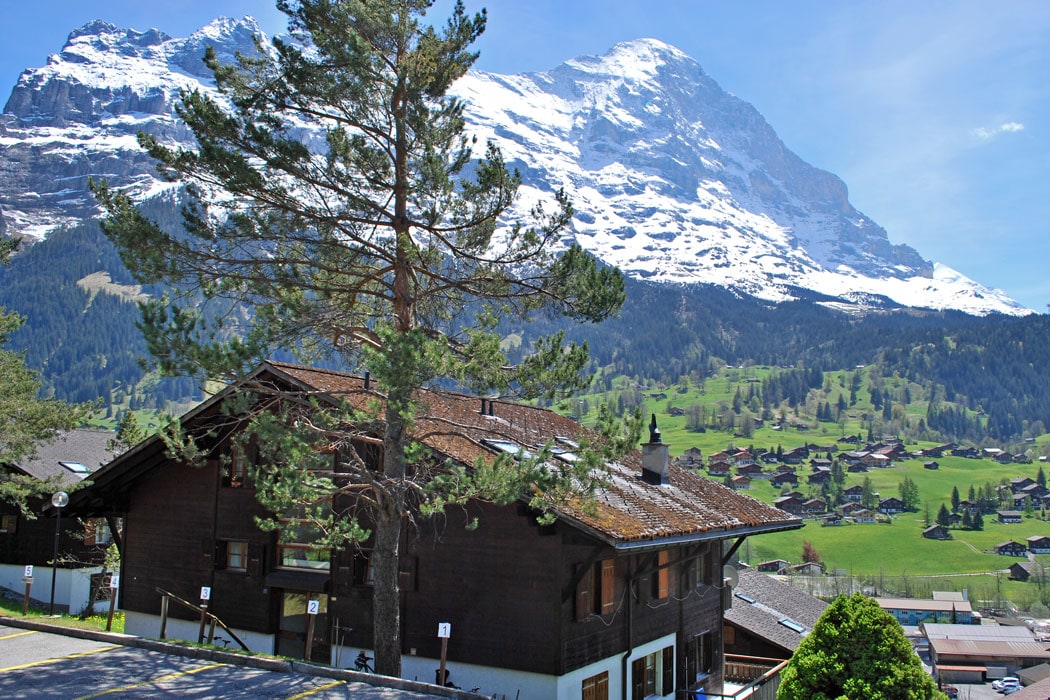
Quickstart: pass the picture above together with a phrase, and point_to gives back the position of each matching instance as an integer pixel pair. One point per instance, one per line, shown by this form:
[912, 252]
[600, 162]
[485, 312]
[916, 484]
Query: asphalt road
[40, 665]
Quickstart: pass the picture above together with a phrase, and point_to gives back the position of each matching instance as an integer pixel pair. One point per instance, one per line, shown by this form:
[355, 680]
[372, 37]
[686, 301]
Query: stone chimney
[656, 458]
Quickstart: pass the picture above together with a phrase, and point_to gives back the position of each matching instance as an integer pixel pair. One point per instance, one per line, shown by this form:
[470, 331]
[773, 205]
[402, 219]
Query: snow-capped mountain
[674, 180]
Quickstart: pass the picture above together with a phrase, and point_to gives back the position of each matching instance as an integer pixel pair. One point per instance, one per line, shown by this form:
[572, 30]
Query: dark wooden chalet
[891, 505]
[623, 598]
[1039, 544]
[61, 464]
[1011, 549]
[937, 532]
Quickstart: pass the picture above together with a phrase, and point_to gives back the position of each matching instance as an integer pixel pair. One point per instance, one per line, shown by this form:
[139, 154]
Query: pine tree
[943, 516]
[26, 419]
[381, 242]
[955, 499]
[856, 650]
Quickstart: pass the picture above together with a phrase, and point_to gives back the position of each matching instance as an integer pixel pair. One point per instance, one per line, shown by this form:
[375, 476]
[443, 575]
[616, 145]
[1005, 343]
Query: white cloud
[985, 133]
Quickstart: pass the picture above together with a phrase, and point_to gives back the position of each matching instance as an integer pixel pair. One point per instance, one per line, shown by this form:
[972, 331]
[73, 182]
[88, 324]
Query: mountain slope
[674, 179]
[678, 181]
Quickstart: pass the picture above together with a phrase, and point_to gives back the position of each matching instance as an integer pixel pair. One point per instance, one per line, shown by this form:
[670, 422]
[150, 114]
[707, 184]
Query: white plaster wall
[143, 625]
[72, 586]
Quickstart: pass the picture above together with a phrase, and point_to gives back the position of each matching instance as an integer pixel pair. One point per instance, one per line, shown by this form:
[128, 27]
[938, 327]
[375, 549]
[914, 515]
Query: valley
[890, 555]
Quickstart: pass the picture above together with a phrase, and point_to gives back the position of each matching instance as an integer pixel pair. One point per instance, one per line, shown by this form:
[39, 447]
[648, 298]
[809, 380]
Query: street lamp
[60, 500]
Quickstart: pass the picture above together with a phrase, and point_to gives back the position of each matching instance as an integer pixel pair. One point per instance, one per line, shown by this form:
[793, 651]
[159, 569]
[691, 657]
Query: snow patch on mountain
[673, 179]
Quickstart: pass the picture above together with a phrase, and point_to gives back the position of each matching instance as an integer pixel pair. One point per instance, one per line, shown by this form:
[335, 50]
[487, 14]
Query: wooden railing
[760, 677]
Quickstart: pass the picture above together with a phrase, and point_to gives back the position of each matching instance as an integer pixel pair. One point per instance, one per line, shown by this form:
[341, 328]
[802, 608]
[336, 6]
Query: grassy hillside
[871, 552]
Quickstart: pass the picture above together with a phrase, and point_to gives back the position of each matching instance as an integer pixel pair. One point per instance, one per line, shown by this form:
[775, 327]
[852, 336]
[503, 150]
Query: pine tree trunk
[386, 596]
[386, 555]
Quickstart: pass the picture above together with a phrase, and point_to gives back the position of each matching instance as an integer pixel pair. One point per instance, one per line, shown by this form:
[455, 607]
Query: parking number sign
[205, 592]
[444, 630]
[313, 607]
[29, 571]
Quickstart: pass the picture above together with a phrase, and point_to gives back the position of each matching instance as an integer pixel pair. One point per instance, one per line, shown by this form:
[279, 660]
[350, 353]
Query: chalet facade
[619, 600]
[937, 532]
[891, 505]
[61, 463]
[1010, 517]
[1039, 544]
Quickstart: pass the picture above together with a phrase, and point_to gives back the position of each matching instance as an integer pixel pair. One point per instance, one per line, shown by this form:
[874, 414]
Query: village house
[1011, 549]
[912, 611]
[1011, 517]
[773, 566]
[573, 608]
[936, 532]
[1028, 571]
[784, 477]
[1039, 544]
[965, 653]
[790, 504]
[864, 515]
[62, 464]
[891, 505]
[853, 493]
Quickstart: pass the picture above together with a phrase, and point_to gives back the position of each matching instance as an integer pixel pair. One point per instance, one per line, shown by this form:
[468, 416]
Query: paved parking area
[977, 691]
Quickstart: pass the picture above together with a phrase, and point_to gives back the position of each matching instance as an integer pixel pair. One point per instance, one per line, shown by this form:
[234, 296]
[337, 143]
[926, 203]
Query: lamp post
[60, 500]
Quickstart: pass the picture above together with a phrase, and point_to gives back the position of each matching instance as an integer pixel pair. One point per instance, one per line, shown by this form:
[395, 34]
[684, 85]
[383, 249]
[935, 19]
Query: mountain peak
[674, 180]
[637, 59]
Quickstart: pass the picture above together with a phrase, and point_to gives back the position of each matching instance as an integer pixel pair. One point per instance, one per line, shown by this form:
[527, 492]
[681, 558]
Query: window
[237, 555]
[653, 675]
[9, 523]
[364, 575]
[303, 556]
[596, 687]
[76, 468]
[595, 593]
[699, 658]
[296, 548]
[102, 534]
[661, 580]
[236, 471]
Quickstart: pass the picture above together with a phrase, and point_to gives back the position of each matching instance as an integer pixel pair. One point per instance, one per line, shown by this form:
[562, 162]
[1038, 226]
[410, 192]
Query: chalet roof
[70, 457]
[629, 512]
[997, 649]
[766, 607]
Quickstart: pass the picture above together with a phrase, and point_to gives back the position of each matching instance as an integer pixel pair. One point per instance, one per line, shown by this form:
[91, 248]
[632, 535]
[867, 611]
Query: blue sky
[936, 114]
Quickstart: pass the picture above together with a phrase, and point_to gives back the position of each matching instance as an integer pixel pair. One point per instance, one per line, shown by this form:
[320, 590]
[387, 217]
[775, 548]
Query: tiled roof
[629, 512]
[83, 447]
[773, 603]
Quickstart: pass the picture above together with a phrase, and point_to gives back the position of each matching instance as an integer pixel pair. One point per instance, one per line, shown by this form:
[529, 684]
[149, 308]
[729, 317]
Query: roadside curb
[259, 662]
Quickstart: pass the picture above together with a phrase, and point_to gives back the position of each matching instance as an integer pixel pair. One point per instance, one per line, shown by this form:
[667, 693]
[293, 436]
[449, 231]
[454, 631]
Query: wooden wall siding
[169, 538]
[499, 586]
[33, 541]
[747, 644]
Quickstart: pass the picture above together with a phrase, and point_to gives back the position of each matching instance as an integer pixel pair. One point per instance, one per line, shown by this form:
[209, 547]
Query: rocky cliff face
[77, 117]
[674, 179]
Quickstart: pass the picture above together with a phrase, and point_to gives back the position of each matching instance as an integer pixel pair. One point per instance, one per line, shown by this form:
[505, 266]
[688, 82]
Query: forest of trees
[86, 351]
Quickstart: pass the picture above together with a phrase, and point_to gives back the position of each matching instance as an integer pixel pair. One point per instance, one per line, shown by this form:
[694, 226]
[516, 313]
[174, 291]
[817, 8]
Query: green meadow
[871, 552]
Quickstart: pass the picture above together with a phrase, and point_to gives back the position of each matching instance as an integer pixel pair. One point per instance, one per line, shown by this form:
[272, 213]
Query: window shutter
[584, 605]
[668, 684]
[663, 576]
[608, 583]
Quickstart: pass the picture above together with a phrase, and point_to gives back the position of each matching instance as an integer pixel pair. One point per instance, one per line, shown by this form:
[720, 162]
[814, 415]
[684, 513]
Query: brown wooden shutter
[663, 576]
[608, 584]
[668, 659]
[584, 604]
